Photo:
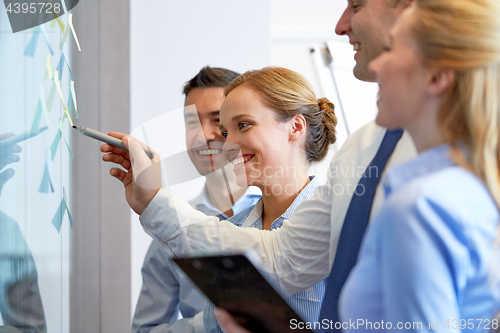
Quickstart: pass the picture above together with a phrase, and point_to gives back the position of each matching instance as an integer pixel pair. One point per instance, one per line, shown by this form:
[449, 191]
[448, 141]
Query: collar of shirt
[429, 161]
[249, 198]
[254, 217]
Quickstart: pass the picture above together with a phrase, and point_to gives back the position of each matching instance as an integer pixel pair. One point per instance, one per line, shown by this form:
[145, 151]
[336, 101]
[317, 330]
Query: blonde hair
[288, 93]
[464, 35]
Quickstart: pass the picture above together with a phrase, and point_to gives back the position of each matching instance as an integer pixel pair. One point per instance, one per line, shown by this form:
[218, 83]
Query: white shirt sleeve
[301, 252]
[286, 256]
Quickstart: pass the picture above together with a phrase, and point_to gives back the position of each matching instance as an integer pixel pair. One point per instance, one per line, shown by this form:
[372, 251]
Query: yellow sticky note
[56, 81]
[70, 23]
[48, 73]
[61, 25]
[68, 115]
[65, 36]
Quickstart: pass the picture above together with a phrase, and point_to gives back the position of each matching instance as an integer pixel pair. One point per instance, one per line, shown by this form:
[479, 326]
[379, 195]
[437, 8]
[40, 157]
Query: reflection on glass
[20, 302]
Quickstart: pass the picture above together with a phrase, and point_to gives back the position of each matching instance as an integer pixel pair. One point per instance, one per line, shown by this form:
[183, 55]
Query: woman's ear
[298, 127]
[440, 80]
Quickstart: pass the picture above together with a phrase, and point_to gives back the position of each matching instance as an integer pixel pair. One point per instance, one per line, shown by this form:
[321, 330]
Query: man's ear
[298, 127]
[440, 80]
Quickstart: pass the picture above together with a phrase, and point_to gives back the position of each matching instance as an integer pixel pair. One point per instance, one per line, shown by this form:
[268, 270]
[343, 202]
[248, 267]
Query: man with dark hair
[210, 77]
[166, 292]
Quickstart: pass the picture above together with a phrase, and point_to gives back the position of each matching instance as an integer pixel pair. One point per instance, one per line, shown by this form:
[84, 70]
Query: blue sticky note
[67, 146]
[31, 48]
[61, 122]
[60, 66]
[58, 218]
[55, 144]
[70, 71]
[47, 185]
[46, 40]
[71, 222]
[35, 126]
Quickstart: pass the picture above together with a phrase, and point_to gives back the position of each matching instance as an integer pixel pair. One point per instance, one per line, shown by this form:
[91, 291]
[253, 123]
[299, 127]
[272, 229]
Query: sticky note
[44, 106]
[73, 97]
[61, 25]
[65, 36]
[60, 67]
[69, 117]
[48, 72]
[31, 48]
[50, 98]
[64, 138]
[71, 221]
[58, 218]
[67, 146]
[56, 81]
[47, 185]
[70, 23]
[35, 126]
[55, 144]
[44, 33]
[57, 139]
[69, 103]
[58, 86]
[69, 68]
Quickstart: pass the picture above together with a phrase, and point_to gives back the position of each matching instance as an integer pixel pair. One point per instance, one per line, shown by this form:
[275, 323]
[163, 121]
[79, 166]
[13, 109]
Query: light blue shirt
[306, 303]
[166, 292]
[427, 257]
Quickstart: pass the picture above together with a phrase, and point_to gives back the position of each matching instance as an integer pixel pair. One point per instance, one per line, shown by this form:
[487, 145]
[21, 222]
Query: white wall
[298, 25]
[171, 41]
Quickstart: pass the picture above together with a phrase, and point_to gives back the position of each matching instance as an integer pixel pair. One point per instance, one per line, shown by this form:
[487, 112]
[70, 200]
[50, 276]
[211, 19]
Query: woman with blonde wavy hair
[429, 260]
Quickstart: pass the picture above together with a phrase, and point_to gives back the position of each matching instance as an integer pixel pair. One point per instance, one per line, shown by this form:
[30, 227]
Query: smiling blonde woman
[428, 261]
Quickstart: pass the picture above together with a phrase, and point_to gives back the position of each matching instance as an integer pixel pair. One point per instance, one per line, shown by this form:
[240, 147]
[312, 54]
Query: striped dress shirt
[306, 303]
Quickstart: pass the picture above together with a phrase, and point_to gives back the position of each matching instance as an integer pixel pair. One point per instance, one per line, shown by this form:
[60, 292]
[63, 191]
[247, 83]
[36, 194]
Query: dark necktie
[354, 227]
[221, 217]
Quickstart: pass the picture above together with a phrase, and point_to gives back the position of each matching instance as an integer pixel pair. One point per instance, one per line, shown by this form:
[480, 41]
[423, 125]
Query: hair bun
[325, 105]
[329, 119]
